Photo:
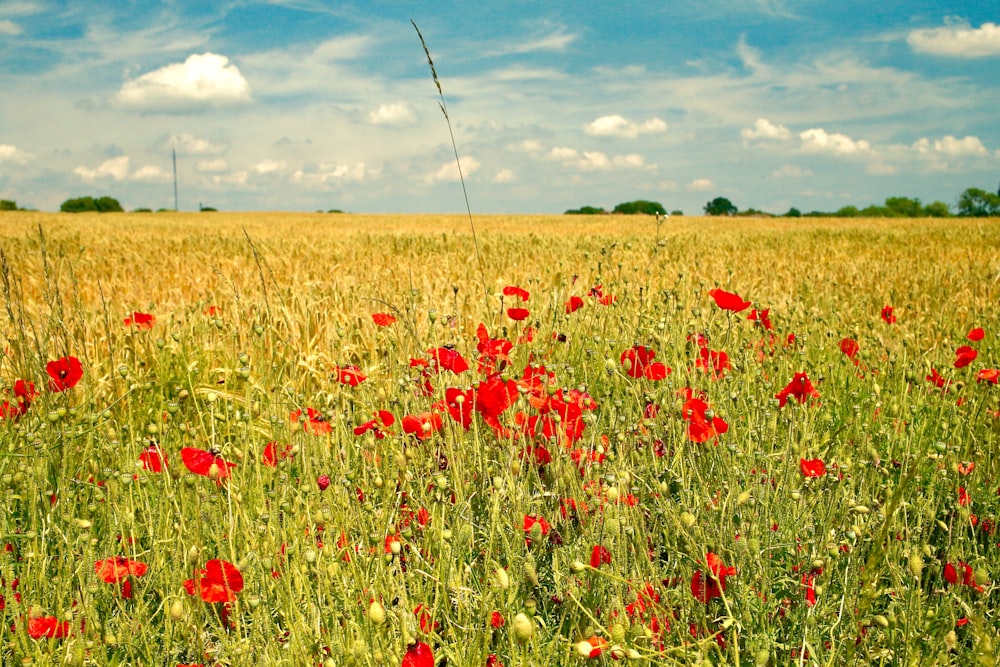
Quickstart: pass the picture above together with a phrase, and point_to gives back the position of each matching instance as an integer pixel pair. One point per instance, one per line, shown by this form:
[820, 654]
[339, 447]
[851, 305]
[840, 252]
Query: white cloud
[791, 171]
[270, 166]
[397, 114]
[969, 145]
[216, 166]
[202, 80]
[563, 153]
[150, 173]
[958, 40]
[700, 184]
[10, 28]
[188, 144]
[555, 41]
[330, 174]
[818, 140]
[504, 176]
[618, 126]
[237, 178]
[116, 168]
[9, 153]
[527, 146]
[449, 170]
[765, 129]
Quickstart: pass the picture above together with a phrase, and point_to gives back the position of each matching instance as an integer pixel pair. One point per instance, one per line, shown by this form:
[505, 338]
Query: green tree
[85, 204]
[585, 210]
[677, 212]
[640, 207]
[8, 205]
[903, 207]
[978, 203]
[849, 211]
[793, 213]
[720, 206]
[937, 209]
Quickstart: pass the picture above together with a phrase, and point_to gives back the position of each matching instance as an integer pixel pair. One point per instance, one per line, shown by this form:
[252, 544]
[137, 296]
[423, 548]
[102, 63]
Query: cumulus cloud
[957, 40]
[202, 80]
[216, 166]
[188, 144]
[763, 129]
[504, 176]
[116, 168]
[9, 153]
[396, 114]
[563, 153]
[619, 126]
[449, 170]
[270, 166]
[968, 145]
[150, 173]
[330, 174]
[10, 28]
[596, 160]
[700, 184]
[818, 140]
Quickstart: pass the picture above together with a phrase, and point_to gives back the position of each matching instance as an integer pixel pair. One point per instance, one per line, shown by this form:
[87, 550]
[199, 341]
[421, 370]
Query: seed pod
[916, 564]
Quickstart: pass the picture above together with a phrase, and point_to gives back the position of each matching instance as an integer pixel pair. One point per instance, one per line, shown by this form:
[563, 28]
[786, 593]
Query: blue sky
[302, 105]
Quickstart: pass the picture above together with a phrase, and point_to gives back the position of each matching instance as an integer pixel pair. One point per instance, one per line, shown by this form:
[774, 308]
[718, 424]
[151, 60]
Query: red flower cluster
[800, 388]
[140, 320]
[638, 362]
[711, 585]
[220, 581]
[206, 464]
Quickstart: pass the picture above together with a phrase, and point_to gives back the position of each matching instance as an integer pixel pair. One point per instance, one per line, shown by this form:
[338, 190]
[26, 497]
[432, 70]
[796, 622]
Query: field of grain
[326, 439]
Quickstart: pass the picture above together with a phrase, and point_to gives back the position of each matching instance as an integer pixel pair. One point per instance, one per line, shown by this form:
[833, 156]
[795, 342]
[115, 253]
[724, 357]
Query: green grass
[296, 294]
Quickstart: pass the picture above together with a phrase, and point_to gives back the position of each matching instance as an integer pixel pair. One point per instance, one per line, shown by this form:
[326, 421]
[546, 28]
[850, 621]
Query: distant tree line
[89, 204]
[973, 202]
[637, 207]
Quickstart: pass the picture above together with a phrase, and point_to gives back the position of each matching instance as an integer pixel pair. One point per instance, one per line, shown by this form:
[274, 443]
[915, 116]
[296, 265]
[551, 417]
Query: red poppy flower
[212, 310]
[965, 468]
[761, 318]
[460, 403]
[937, 379]
[314, 424]
[991, 375]
[708, 587]
[206, 464]
[518, 314]
[153, 459]
[809, 581]
[728, 300]
[531, 519]
[48, 627]
[519, 292]
[140, 321]
[850, 347]
[448, 359]
[887, 315]
[964, 356]
[701, 427]
[383, 418]
[349, 375]
[418, 655]
[493, 396]
[118, 568]
[26, 393]
[574, 304]
[812, 467]
[383, 319]
[597, 291]
[963, 496]
[801, 388]
[220, 581]
[976, 334]
[497, 620]
[422, 426]
[638, 362]
[599, 555]
[273, 452]
[715, 362]
[64, 373]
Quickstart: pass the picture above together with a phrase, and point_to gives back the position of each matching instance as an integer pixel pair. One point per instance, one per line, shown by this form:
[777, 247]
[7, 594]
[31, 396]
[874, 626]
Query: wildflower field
[291, 439]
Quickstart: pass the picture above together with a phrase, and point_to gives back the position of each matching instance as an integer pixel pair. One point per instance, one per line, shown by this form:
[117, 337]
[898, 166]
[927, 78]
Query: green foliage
[978, 203]
[89, 204]
[586, 210]
[640, 207]
[793, 213]
[937, 209]
[335, 210]
[677, 212]
[142, 210]
[720, 206]
[8, 205]
[849, 211]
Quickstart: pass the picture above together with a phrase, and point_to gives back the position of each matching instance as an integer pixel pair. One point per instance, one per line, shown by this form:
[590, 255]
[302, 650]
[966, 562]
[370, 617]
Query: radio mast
[174, 153]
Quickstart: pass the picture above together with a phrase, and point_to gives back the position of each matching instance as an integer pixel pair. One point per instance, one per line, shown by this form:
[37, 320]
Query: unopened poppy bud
[176, 610]
[916, 564]
[502, 578]
[951, 640]
[583, 648]
[323, 481]
[743, 498]
[687, 519]
[376, 613]
[523, 627]
[214, 471]
[577, 566]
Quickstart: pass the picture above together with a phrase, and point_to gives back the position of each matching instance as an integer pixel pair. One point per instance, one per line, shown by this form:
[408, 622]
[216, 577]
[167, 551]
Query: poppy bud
[376, 613]
[523, 627]
[502, 578]
[176, 610]
[323, 481]
[687, 519]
